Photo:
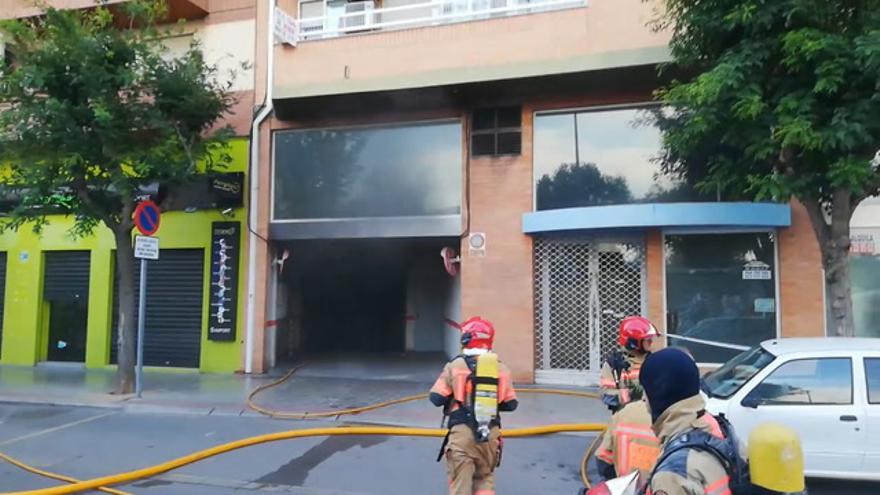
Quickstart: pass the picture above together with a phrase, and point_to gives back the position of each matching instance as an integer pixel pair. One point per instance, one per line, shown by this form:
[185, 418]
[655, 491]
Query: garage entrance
[375, 295]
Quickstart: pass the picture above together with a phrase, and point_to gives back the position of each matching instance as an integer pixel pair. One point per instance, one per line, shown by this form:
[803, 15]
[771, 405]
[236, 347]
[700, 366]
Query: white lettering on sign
[756, 270]
[146, 248]
[862, 244]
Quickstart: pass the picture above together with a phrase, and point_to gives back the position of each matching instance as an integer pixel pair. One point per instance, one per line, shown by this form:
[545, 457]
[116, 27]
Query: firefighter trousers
[470, 465]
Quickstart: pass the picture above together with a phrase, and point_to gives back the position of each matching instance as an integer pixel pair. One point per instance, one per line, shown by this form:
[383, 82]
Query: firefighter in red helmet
[628, 444]
[473, 388]
[620, 372]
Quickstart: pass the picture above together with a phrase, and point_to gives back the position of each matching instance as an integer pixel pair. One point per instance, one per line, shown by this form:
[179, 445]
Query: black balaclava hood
[668, 376]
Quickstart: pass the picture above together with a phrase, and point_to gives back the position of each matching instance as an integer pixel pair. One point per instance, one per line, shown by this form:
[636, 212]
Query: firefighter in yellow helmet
[473, 388]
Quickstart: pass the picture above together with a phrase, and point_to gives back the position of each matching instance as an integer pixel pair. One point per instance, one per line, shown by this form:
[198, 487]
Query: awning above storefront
[660, 215]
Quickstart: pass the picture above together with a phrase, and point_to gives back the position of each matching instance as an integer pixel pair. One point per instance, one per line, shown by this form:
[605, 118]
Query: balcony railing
[361, 17]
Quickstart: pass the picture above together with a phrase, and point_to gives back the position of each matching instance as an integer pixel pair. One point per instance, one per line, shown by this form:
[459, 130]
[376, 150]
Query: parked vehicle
[828, 389]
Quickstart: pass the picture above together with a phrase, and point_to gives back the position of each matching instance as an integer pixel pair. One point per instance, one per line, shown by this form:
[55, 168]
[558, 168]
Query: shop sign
[756, 270]
[862, 244]
[225, 244]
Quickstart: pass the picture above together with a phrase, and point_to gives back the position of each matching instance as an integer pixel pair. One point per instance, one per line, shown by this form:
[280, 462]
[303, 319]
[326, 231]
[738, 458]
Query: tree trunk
[125, 266]
[837, 277]
[834, 242]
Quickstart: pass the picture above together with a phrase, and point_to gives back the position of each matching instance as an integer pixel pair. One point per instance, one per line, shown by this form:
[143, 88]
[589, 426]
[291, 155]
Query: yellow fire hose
[77, 486]
[130, 476]
[590, 452]
[356, 410]
[54, 476]
[272, 413]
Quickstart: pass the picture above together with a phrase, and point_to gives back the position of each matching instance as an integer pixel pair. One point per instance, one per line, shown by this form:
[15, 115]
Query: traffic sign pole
[142, 307]
[146, 218]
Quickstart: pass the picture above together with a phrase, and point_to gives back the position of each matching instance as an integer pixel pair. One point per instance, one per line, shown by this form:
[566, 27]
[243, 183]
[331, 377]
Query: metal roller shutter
[66, 276]
[173, 327]
[2, 293]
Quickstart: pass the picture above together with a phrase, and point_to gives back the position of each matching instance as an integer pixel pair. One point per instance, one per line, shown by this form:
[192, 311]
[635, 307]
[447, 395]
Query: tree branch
[82, 192]
[817, 219]
[126, 223]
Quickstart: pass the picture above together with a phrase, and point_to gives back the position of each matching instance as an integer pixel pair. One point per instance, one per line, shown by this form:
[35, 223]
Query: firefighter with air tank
[473, 388]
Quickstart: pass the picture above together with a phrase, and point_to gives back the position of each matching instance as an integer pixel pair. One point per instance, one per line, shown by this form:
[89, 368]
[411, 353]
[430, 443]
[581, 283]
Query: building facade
[58, 297]
[512, 136]
[513, 133]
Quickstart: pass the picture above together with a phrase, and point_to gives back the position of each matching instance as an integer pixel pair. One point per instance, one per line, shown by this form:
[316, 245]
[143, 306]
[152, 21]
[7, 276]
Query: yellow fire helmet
[776, 460]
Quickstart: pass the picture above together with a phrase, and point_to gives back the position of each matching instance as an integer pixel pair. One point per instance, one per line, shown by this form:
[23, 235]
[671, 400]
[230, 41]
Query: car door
[872, 415]
[815, 397]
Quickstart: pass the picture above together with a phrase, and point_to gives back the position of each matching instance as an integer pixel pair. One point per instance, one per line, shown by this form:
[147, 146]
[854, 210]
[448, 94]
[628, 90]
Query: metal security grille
[66, 276]
[583, 287]
[175, 304]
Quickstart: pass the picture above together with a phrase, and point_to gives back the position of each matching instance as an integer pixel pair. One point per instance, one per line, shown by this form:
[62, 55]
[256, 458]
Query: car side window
[825, 381]
[872, 374]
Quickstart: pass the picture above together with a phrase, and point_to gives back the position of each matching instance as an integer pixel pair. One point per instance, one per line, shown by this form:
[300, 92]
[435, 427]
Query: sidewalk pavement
[321, 385]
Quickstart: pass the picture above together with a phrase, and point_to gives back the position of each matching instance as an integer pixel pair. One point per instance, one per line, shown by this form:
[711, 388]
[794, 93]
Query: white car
[828, 389]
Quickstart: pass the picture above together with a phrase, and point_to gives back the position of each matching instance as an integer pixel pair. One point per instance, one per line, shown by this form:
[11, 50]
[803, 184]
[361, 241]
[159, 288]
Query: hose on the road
[55, 476]
[147, 472]
[127, 477]
[272, 413]
[585, 460]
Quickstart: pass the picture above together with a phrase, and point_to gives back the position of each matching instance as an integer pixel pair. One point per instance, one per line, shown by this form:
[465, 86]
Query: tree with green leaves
[781, 101]
[94, 111]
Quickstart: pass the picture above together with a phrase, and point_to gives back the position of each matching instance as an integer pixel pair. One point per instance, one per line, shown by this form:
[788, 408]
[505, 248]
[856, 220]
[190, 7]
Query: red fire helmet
[634, 329]
[477, 333]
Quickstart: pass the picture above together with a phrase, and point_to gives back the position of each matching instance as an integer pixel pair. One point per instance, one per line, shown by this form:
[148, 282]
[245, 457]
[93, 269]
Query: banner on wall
[862, 243]
[223, 312]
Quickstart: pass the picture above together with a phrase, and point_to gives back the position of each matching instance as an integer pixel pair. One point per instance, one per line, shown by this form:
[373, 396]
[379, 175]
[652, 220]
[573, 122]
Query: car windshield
[727, 379]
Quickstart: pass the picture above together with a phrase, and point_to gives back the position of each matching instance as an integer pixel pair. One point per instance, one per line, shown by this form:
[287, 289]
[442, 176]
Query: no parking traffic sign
[147, 217]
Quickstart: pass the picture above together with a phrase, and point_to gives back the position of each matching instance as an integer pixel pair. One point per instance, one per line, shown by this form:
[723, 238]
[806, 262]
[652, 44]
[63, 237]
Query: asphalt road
[85, 443]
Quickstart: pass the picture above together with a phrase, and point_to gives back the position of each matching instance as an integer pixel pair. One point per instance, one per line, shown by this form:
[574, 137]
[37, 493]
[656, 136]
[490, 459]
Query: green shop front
[58, 295]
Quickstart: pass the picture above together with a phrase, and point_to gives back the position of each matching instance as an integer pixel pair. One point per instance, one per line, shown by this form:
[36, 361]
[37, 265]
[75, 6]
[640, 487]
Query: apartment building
[510, 135]
[416, 162]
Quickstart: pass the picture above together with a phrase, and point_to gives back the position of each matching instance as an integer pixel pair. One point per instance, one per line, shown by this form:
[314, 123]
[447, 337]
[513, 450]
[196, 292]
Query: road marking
[185, 479]
[56, 428]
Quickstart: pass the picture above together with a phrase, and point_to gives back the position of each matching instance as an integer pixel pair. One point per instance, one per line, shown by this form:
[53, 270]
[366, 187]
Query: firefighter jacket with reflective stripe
[455, 383]
[692, 472]
[619, 384]
[629, 443]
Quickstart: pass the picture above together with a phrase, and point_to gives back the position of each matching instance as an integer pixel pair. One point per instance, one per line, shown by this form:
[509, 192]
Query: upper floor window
[496, 131]
[600, 157]
[330, 18]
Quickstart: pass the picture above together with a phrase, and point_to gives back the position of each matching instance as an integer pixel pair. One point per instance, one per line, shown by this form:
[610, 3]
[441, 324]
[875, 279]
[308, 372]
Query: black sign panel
[223, 312]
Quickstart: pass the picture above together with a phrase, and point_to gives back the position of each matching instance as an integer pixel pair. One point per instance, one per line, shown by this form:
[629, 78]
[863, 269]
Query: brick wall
[498, 286]
[801, 283]
[654, 264]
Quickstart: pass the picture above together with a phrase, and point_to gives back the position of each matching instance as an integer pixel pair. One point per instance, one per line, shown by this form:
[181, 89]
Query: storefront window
[865, 268]
[720, 288]
[370, 172]
[605, 157]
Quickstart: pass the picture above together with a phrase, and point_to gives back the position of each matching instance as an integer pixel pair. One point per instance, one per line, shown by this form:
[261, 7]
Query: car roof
[819, 344]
